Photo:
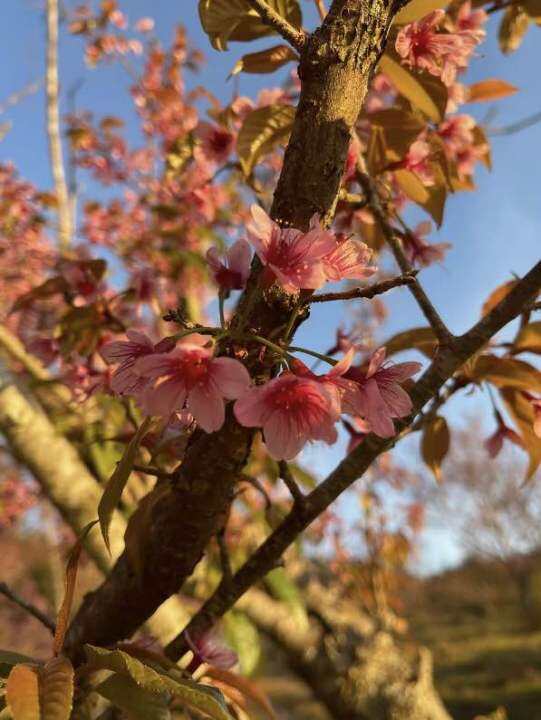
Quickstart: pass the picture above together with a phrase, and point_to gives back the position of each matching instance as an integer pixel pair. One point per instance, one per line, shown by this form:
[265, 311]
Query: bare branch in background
[27, 607]
[65, 220]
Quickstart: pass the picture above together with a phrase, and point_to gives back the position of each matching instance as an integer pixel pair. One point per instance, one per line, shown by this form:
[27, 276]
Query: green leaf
[424, 94]
[201, 697]
[422, 339]
[117, 482]
[529, 339]
[265, 61]
[417, 9]
[283, 588]
[139, 704]
[22, 692]
[225, 20]
[262, 130]
[435, 444]
[243, 637]
[56, 689]
[506, 373]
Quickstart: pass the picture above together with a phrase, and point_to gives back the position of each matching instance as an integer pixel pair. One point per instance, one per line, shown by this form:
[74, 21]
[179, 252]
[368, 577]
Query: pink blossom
[216, 143]
[349, 261]
[191, 376]
[456, 96]
[333, 381]
[456, 132]
[125, 353]
[144, 25]
[469, 23]
[535, 404]
[377, 395]
[210, 649]
[357, 430]
[295, 258]
[345, 341]
[494, 443]
[417, 161]
[291, 411]
[420, 252]
[232, 273]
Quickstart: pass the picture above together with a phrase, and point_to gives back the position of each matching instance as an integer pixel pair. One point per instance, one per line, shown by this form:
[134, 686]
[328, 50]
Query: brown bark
[336, 65]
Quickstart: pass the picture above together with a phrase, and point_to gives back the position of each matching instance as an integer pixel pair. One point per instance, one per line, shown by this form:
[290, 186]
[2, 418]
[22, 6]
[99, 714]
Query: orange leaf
[491, 89]
[22, 693]
[71, 579]
[435, 444]
[522, 413]
[247, 688]
[497, 296]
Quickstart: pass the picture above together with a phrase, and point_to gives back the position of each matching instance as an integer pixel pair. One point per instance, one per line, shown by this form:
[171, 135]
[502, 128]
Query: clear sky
[494, 231]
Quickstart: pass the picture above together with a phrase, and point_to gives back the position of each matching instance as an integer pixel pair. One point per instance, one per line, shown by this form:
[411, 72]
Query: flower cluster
[292, 409]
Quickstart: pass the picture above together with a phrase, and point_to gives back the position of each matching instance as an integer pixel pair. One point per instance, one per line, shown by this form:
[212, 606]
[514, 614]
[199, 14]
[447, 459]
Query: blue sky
[494, 231]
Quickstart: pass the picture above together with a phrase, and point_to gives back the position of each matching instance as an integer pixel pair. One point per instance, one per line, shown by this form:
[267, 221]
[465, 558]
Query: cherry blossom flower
[216, 143]
[349, 260]
[124, 380]
[420, 252]
[291, 411]
[295, 258]
[377, 395]
[345, 341]
[469, 23]
[456, 132]
[210, 649]
[333, 381]
[233, 273]
[357, 430]
[417, 160]
[190, 376]
[494, 443]
[144, 25]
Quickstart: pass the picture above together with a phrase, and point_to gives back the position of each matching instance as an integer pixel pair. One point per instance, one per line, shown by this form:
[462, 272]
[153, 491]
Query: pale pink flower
[467, 158]
[469, 22]
[125, 353]
[418, 251]
[190, 376]
[456, 96]
[349, 261]
[377, 395]
[357, 430]
[295, 258]
[210, 649]
[417, 161]
[291, 411]
[345, 341]
[333, 381]
[494, 443]
[456, 133]
[217, 143]
[232, 272]
[144, 25]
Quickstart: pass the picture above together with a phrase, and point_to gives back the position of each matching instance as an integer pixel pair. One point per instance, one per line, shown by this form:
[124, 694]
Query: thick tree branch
[446, 363]
[27, 607]
[368, 292]
[296, 38]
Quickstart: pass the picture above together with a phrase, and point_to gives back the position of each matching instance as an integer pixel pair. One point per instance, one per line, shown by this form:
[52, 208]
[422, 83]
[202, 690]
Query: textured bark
[66, 481]
[336, 65]
[354, 670]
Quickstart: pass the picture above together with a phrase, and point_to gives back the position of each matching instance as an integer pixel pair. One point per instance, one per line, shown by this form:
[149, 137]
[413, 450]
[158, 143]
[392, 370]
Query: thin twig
[255, 483]
[65, 221]
[154, 471]
[28, 607]
[268, 16]
[320, 7]
[367, 292]
[429, 311]
[287, 476]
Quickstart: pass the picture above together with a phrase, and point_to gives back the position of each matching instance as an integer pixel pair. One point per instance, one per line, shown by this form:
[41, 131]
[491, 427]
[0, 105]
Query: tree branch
[367, 292]
[429, 311]
[287, 476]
[446, 363]
[28, 607]
[296, 38]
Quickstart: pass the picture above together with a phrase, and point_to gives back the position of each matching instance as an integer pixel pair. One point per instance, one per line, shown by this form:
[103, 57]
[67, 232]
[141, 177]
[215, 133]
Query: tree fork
[184, 513]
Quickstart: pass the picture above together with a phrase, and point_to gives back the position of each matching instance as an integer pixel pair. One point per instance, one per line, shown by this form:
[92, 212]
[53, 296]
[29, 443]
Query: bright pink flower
[349, 261]
[190, 376]
[333, 381]
[470, 22]
[217, 143]
[377, 395]
[420, 252]
[210, 649]
[233, 273]
[125, 353]
[456, 132]
[295, 258]
[494, 443]
[417, 161]
[291, 411]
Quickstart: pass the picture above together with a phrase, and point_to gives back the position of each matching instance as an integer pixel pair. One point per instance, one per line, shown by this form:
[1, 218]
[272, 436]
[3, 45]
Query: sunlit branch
[294, 37]
[287, 476]
[367, 292]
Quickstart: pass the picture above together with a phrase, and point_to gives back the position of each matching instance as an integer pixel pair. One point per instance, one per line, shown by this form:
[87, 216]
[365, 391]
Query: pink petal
[401, 371]
[207, 407]
[239, 257]
[397, 399]
[377, 359]
[153, 366]
[343, 365]
[140, 338]
[251, 409]
[283, 441]
[376, 411]
[230, 376]
[163, 399]
[260, 227]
